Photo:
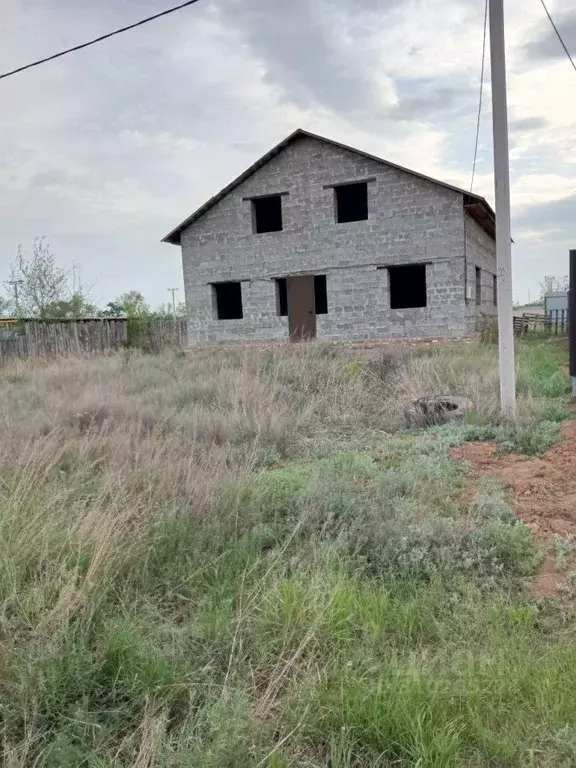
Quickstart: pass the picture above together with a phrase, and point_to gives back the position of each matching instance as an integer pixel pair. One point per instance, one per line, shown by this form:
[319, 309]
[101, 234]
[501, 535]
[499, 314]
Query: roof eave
[174, 237]
[482, 213]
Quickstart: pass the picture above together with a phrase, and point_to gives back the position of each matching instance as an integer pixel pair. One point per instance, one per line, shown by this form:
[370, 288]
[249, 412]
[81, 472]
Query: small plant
[487, 327]
[137, 332]
[562, 548]
[475, 418]
[352, 370]
[531, 440]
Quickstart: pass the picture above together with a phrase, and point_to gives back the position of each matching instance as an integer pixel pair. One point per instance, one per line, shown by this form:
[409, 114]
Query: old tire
[441, 409]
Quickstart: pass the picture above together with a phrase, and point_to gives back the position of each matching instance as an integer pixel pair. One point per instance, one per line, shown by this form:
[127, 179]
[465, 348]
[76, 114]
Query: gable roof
[477, 206]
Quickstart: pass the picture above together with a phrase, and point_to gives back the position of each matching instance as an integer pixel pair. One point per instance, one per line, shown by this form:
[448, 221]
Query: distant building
[318, 239]
[555, 302]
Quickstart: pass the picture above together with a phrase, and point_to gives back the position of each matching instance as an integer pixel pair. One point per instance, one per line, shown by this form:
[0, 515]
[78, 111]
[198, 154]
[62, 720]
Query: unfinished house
[320, 240]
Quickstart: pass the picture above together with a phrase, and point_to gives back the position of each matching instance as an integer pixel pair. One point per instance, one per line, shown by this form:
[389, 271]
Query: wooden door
[301, 311]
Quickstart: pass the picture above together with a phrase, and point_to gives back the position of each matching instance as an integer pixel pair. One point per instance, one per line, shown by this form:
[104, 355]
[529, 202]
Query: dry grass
[94, 451]
[137, 572]
[473, 372]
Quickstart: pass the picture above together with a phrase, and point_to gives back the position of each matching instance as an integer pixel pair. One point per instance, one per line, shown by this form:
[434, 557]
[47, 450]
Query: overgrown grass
[237, 558]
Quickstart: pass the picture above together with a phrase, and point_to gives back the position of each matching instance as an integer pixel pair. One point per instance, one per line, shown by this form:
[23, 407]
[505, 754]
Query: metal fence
[557, 320]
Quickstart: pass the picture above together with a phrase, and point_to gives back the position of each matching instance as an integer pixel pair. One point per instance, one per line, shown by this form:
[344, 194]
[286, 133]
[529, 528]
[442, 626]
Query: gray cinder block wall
[480, 253]
[410, 220]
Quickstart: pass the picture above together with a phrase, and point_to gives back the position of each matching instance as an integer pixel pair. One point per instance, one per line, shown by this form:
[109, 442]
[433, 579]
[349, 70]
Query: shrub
[400, 521]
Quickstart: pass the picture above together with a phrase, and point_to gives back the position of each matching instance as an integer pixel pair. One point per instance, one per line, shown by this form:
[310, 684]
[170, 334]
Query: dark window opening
[320, 295]
[478, 286]
[407, 286]
[495, 289]
[281, 297]
[227, 299]
[267, 214]
[351, 202]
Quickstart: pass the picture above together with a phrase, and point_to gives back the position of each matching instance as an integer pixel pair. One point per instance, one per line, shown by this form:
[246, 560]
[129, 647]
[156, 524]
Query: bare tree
[41, 281]
[5, 307]
[552, 284]
[43, 288]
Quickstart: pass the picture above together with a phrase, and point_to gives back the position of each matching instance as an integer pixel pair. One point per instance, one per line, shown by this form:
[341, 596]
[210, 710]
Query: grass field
[239, 559]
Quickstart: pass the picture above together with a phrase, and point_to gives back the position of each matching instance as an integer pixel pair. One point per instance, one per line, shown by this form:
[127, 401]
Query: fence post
[572, 320]
[556, 324]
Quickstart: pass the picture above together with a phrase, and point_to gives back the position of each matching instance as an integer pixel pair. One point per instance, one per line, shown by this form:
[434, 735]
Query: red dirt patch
[548, 578]
[544, 488]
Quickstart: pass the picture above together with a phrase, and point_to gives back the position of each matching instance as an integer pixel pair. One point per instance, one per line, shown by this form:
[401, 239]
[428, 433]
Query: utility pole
[15, 284]
[173, 291]
[503, 228]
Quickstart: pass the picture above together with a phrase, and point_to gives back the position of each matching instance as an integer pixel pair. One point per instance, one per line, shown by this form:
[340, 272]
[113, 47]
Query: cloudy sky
[106, 150]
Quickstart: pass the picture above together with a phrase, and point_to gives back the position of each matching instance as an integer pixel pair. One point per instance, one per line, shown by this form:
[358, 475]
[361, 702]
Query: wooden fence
[166, 332]
[27, 338]
[32, 338]
[554, 322]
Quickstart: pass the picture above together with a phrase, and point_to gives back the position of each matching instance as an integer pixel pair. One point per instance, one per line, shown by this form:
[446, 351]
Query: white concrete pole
[173, 291]
[503, 229]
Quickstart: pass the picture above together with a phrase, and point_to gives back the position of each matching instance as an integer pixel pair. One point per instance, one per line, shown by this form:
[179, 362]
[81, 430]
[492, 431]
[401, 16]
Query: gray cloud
[542, 246]
[297, 46]
[428, 98]
[555, 217]
[106, 150]
[547, 46]
[528, 124]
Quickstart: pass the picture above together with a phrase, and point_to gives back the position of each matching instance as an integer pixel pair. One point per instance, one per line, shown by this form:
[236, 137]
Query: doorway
[301, 310]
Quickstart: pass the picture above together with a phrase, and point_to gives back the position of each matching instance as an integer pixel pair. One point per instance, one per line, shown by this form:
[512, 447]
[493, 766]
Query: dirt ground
[543, 491]
[544, 488]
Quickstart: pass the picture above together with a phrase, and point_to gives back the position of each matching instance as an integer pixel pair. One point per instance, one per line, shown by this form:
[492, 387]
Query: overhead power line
[562, 43]
[97, 39]
[481, 95]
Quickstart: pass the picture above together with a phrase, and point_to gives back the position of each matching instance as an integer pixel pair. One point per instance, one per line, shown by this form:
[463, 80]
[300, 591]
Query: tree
[113, 309]
[552, 284]
[5, 307]
[41, 282]
[167, 310]
[130, 304]
[134, 304]
[74, 307]
[43, 286]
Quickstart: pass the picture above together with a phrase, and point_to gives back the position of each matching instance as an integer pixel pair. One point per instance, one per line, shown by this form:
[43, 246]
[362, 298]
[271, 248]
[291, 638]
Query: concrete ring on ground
[440, 409]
